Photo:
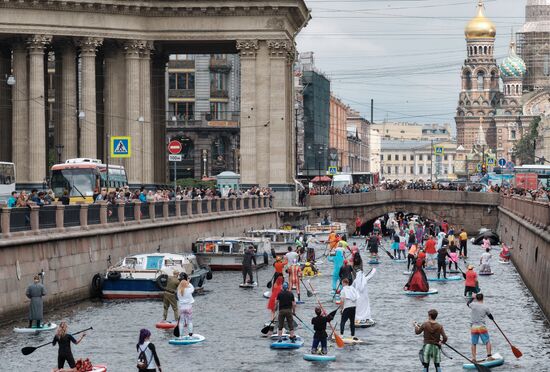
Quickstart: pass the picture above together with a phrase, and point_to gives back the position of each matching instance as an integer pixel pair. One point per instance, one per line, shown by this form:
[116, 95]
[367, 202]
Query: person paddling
[346, 272]
[64, 340]
[277, 287]
[413, 250]
[478, 328]
[35, 292]
[248, 258]
[470, 284]
[485, 261]
[363, 313]
[169, 297]
[441, 261]
[320, 327]
[418, 282]
[147, 354]
[349, 298]
[463, 239]
[287, 307]
[434, 337]
[185, 304]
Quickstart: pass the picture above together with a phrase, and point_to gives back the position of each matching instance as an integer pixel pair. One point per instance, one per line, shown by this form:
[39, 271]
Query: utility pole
[432, 160]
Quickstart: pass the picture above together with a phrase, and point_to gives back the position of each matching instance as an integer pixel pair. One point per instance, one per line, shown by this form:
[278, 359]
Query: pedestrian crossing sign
[491, 161]
[439, 150]
[121, 147]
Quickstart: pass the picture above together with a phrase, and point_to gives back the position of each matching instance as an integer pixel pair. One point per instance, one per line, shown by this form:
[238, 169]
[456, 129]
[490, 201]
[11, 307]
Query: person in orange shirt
[431, 252]
[410, 258]
[279, 266]
[470, 285]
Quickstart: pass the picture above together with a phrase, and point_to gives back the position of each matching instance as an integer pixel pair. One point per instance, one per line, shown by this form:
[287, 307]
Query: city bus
[7, 180]
[365, 177]
[542, 172]
[84, 177]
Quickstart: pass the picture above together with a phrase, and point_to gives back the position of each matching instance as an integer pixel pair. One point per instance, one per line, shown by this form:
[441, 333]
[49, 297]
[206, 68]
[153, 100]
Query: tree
[524, 150]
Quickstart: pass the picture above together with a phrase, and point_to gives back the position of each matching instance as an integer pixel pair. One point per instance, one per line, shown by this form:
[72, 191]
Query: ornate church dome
[480, 27]
[513, 66]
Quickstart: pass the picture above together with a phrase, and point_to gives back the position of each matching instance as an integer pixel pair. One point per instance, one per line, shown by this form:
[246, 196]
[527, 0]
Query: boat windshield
[224, 248]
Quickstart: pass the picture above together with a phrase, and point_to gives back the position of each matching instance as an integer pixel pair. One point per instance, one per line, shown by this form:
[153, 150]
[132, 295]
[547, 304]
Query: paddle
[309, 294]
[463, 274]
[388, 253]
[30, 349]
[338, 339]
[304, 324]
[336, 291]
[479, 367]
[266, 329]
[517, 353]
[177, 329]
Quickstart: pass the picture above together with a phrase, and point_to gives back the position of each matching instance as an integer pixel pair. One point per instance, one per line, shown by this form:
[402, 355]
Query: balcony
[220, 64]
[226, 119]
[218, 93]
[181, 93]
[185, 64]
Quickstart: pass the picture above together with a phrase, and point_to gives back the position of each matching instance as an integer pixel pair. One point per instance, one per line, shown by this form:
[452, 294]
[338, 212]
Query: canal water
[231, 318]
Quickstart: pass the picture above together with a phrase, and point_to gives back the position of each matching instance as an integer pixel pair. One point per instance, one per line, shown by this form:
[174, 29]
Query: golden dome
[480, 27]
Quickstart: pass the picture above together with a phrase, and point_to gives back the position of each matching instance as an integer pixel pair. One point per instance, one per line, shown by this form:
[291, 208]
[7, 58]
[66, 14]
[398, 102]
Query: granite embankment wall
[525, 227]
[71, 256]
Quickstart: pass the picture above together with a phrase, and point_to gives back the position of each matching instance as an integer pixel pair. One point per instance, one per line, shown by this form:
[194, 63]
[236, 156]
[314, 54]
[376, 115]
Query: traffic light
[483, 168]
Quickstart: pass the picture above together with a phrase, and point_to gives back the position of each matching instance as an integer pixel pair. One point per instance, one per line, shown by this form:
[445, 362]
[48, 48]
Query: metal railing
[58, 218]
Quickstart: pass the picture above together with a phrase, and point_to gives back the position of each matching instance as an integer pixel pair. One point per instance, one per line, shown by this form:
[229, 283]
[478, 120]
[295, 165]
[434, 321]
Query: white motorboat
[321, 231]
[280, 239]
[226, 253]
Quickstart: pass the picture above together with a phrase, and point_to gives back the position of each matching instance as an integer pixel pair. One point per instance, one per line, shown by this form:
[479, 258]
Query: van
[341, 180]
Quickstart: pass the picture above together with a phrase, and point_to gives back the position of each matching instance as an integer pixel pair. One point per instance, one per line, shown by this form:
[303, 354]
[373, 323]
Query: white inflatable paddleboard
[407, 272]
[319, 358]
[186, 340]
[431, 291]
[351, 340]
[99, 368]
[44, 328]
[365, 324]
[485, 274]
[248, 285]
[267, 294]
[504, 262]
[498, 361]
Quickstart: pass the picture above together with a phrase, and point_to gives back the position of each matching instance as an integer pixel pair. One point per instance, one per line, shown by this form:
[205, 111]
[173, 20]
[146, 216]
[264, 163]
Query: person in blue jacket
[338, 261]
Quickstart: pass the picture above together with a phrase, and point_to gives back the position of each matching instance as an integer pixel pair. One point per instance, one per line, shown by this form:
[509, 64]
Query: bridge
[71, 243]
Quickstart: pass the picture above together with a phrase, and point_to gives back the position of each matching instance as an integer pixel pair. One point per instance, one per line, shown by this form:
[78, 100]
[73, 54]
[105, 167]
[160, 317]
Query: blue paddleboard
[448, 279]
[374, 262]
[287, 344]
[399, 261]
[319, 357]
[498, 361]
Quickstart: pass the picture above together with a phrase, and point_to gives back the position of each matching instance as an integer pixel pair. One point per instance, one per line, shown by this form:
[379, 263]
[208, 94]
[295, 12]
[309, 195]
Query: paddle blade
[339, 341]
[266, 329]
[28, 350]
[517, 352]
[269, 284]
[177, 330]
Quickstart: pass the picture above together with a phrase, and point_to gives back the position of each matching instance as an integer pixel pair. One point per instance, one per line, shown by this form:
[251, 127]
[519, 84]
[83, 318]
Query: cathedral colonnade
[109, 61]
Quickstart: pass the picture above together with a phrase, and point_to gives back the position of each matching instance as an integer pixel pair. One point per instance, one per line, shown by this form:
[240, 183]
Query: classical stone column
[5, 104]
[20, 113]
[248, 50]
[67, 93]
[159, 115]
[147, 174]
[280, 152]
[132, 49]
[88, 125]
[36, 144]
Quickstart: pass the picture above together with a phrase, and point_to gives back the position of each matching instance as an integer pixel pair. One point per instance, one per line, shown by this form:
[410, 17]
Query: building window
[429, 171]
[412, 170]
[513, 134]
[445, 157]
[181, 80]
[182, 110]
[218, 110]
[218, 81]
[500, 130]
[405, 157]
[381, 157]
[420, 157]
[429, 157]
[396, 169]
[421, 169]
[480, 81]
[389, 156]
[389, 170]
[412, 158]
[500, 145]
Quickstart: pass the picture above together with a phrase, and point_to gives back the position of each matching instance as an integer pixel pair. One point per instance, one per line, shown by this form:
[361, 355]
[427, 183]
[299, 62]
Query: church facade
[503, 111]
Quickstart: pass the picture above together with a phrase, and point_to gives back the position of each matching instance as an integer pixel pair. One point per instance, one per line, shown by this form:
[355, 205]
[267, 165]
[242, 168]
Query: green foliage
[193, 182]
[524, 149]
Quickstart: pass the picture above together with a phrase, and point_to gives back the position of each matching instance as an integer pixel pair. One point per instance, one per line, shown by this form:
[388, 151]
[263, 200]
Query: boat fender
[266, 259]
[209, 274]
[162, 280]
[113, 275]
[97, 282]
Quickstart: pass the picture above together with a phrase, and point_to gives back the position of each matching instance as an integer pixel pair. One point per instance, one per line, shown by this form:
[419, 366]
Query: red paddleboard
[165, 325]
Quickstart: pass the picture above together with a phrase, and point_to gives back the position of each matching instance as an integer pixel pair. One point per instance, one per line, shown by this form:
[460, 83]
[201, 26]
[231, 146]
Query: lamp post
[204, 159]
[59, 148]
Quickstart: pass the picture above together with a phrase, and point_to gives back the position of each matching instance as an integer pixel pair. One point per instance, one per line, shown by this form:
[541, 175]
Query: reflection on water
[231, 318]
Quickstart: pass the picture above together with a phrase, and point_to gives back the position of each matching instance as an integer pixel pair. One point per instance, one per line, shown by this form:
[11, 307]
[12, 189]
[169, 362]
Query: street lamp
[10, 80]
[141, 120]
[59, 148]
[204, 159]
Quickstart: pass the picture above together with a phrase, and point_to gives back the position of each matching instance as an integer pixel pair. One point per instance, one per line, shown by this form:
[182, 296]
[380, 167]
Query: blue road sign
[479, 167]
[491, 161]
[510, 165]
[502, 162]
[121, 147]
[332, 170]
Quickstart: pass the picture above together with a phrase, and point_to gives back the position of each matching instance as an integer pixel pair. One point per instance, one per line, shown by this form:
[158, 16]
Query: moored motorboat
[321, 231]
[144, 276]
[280, 239]
[226, 253]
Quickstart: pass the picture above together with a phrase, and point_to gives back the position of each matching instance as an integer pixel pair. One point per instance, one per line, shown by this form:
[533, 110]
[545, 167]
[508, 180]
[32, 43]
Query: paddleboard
[286, 343]
[248, 285]
[498, 361]
[485, 274]
[351, 340]
[43, 328]
[453, 271]
[448, 279]
[431, 291]
[99, 368]
[295, 324]
[431, 268]
[365, 324]
[267, 294]
[407, 272]
[165, 325]
[319, 358]
[399, 261]
[504, 262]
[374, 262]
[275, 336]
[299, 302]
[186, 340]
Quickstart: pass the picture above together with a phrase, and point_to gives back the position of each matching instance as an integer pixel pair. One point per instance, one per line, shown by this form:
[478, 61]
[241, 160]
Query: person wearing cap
[478, 328]
[470, 285]
[169, 297]
[35, 292]
[320, 327]
[248, 258]
[287, 307]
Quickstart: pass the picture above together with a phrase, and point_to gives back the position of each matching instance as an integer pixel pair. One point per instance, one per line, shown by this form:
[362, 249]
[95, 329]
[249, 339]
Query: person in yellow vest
[308, 270]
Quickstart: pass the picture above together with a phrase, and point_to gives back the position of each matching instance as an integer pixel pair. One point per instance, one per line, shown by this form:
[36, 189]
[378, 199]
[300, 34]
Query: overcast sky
[404, 54]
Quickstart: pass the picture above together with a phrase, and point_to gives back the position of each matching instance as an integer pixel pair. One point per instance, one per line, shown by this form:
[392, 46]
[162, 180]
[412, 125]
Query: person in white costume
[363, 313]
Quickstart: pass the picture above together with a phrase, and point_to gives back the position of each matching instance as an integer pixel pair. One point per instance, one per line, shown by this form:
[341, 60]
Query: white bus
[7, 180]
